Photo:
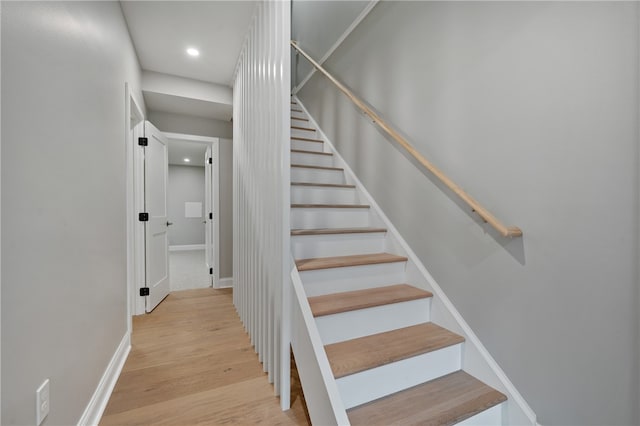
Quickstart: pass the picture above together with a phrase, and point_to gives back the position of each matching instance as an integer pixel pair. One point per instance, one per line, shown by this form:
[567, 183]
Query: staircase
[391, 364]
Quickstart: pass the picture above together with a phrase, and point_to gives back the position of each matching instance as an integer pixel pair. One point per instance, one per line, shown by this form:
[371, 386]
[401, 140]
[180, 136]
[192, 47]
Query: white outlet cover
[42, 402]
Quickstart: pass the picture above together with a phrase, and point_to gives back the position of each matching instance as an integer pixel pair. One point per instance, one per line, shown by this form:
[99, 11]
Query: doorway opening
[193, 211]
[149, 223]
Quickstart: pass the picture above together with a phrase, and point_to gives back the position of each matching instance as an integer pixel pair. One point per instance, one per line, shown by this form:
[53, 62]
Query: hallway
[191, 362]
[188, 270]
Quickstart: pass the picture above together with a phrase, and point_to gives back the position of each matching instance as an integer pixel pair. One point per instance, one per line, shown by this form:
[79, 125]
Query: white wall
[192, 125]
[186, 184]
[225, 207]
[175, 123]
[261, 186]
[186, 88]
[309, 21]
[64, 67]
[532, 107]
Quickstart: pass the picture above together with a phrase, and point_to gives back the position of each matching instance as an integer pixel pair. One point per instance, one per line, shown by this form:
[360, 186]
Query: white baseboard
[187, 247]
[225, 282]
[93, 413]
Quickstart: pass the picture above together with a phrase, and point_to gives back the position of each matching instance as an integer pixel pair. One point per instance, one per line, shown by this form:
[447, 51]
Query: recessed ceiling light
[186, 160]
[193, 52]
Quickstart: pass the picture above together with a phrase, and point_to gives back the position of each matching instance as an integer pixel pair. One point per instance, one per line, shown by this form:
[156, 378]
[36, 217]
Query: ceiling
[162, 31]
[179, 150]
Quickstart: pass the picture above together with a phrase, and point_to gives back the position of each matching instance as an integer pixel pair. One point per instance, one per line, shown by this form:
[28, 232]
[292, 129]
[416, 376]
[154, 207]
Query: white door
[156, 167]
[208, 212]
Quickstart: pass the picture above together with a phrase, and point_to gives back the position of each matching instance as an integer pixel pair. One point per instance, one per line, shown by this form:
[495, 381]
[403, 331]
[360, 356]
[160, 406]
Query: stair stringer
[476, 359]
[322, 396]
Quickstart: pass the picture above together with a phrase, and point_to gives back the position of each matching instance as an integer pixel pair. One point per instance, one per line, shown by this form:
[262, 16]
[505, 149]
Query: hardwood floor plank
[224, 405]
[192, 363]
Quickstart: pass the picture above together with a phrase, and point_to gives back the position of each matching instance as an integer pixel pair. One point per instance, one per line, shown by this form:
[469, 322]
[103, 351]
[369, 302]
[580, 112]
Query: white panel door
[156, 167]
[208, 210]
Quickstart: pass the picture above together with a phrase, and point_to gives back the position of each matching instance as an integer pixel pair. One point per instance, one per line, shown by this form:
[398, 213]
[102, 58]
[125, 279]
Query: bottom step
[446, 400]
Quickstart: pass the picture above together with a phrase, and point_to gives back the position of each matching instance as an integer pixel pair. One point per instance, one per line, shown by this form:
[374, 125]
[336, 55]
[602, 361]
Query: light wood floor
[191, 363]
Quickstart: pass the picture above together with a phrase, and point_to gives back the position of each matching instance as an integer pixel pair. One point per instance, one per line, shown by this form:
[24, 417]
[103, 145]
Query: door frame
[214, 143]
[134, 180]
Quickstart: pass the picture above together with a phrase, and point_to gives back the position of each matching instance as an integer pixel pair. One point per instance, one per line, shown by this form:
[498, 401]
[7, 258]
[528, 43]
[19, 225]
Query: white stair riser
[360, 388]
[303, 133]
[311, 159]
[295, 122]
[364, 322]
[307, 145]
[297, 114]
[323, 195]
[306, 246]
[336, 280]
[311, 218]
[492, 416]
[316, 175]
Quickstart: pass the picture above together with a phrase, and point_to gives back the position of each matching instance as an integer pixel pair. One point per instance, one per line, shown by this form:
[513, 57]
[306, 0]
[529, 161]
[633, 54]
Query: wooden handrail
[505, 231]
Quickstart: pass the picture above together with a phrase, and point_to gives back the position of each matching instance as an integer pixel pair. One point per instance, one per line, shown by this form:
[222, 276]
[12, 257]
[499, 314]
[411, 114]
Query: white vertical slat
[283, 70]
[261, 188]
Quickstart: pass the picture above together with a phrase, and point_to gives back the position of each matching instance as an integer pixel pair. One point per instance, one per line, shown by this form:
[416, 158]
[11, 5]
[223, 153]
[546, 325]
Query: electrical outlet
[42, 402]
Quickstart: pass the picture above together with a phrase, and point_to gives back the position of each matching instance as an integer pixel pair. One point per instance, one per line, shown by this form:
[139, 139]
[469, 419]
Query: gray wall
[186, 183]
[309, 21]
[175, 123]
[533, 109]
[190, 124]
[64, 67]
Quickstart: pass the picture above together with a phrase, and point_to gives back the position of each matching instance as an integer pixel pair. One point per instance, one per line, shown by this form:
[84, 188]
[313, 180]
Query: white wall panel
[261, 152]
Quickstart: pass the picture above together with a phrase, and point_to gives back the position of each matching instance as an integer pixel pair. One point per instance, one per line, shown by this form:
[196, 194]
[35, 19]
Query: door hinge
[143, 217]
[143, 141]
[211, 216]
[210, 160]
[144, 291]
[210, 271]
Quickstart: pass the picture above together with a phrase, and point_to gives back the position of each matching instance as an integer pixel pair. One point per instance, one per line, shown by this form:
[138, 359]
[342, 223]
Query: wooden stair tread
[330, 206]
[300, 118]
[306, 166]
[336, 303]
[446, 400]
[344, 261]
[364, 353]
[302, 151]
[334, 231]
[308, 129]
[298, 138]
[323, 185]
[296, 110]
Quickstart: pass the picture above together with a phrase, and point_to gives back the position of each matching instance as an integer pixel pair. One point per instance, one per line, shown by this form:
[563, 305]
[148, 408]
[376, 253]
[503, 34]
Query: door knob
[169, 223]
